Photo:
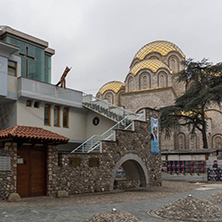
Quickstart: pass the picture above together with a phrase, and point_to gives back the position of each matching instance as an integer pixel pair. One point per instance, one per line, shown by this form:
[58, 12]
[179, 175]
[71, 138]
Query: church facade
[152, 82]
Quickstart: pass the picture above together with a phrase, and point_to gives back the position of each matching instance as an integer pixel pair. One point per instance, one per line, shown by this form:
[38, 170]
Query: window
[36, 104]
[95, 121]
[47, 114]
[66, 117]
[12, 68]
[56, 116]
[29, 103]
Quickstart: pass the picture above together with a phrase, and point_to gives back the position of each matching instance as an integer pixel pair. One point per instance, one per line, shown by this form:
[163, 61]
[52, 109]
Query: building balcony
[41, 91]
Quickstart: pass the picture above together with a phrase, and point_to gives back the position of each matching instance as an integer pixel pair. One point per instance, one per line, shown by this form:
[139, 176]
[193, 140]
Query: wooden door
[23, 173]
[31, 172]
[37, 172]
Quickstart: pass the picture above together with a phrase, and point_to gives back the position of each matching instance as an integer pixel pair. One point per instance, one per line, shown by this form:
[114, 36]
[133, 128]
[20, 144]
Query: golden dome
[152, 64]
[115, 86]
[162, 47]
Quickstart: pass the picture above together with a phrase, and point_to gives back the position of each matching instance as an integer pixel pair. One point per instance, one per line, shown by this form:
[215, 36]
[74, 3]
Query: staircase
[123, 118]
[103, 107]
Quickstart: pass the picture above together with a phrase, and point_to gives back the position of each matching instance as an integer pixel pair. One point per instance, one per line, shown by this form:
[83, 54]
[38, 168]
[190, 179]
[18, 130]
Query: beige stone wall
[153, 99]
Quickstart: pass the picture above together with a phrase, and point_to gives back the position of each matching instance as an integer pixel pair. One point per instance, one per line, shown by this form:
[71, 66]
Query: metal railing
[93, 143]
[89, 144]
[103, 106]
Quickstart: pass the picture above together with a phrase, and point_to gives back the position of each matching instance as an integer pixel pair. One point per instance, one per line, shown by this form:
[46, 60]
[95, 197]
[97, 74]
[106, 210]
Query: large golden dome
[115, 86]
[153, 64]
[162, 47]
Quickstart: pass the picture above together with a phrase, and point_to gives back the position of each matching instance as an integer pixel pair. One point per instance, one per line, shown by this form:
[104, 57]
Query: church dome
[162, 47]
[153, 64]
[114, 86]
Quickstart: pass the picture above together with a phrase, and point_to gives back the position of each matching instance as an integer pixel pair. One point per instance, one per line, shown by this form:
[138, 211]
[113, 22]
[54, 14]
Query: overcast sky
[99, 38]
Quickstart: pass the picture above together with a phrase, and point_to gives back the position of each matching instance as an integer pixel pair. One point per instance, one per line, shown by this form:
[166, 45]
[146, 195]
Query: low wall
[8, 176]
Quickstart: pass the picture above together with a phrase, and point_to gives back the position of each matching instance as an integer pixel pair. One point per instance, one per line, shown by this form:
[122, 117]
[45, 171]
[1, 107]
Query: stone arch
[181, 141]
[134, 62]
[109, 97]
[134, 167]
[174, 65]
[162, 79]
[144, 80]
[192, 141]
[217, 141]
[154, 55]
[130, 84]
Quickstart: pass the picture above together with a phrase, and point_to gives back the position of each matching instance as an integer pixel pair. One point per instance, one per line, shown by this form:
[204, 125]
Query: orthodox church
[152, 82]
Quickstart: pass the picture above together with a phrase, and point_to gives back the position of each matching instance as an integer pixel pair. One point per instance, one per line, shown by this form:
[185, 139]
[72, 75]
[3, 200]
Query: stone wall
[96, 172]
[156, 98]
[8, 178]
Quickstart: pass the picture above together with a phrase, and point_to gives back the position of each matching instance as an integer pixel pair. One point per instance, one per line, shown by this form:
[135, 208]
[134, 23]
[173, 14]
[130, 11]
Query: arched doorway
[134, 168]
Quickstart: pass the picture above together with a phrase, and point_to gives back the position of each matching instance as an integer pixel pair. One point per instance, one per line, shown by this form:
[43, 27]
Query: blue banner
[154, 135]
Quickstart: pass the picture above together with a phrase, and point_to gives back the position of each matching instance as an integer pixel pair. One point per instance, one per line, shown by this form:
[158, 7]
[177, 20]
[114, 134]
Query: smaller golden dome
[115, 86]
[162, 47]
[153, 64]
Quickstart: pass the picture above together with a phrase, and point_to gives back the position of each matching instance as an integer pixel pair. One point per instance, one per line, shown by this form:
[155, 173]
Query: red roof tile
[32, 133]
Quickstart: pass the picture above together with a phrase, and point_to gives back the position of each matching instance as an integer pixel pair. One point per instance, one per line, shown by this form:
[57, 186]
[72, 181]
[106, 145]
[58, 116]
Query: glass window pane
[56, 116]
[47, 114]
[66, 117]
[11, 68]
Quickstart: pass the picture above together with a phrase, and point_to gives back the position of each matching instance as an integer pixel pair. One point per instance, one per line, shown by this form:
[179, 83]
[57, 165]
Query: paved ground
[79, 207]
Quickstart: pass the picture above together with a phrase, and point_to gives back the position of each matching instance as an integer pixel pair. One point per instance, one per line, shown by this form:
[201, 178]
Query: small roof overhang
[32, 134]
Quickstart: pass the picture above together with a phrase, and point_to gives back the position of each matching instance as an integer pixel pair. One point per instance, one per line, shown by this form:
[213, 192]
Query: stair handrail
[109, 105]
[126, 114]
[101, 136]
[127, 127]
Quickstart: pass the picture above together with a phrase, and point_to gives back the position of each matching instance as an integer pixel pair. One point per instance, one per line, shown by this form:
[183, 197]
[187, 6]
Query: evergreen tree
[203, 83]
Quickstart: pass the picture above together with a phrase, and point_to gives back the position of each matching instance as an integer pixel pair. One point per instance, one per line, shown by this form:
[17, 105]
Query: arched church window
[130, 84]
[218, 141]
[144, 81]
[209, 140]
[109, 97]
[181, 141]
[174, 64]
[192, 141]
[201, 142]
[162, 79]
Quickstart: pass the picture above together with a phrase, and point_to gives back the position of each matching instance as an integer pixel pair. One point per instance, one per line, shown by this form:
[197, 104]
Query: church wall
[216, 134]
[147, 98]
[167, 143]
[109, 96]
[154, 55]
[177, 66]
[179, 87]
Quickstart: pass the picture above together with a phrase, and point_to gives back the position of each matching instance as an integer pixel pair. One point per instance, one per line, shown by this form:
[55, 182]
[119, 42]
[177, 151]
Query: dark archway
[134, 168]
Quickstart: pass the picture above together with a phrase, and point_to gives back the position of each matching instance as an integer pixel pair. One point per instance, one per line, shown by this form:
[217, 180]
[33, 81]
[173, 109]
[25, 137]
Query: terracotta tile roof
[32, 133]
